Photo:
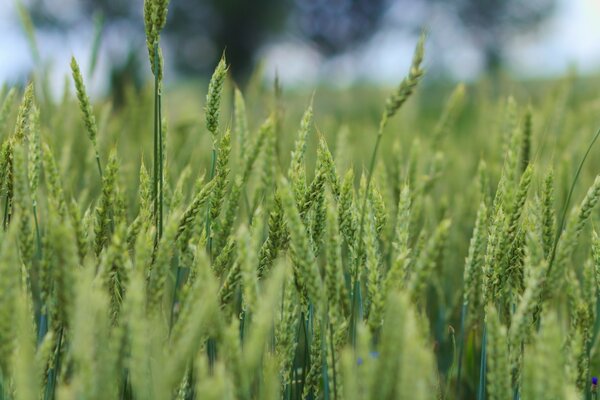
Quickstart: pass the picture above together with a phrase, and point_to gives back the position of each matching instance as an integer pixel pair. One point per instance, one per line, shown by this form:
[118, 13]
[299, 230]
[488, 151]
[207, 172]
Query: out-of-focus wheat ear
[53, 181]
[229, 215]
[380, 213]
[199, 318]
[105, 209]
[34, 156]
[221, 176]
[145, 192]
[9, 285]
[311, 380]
[232, 356]
[596, 258]
[140, 335]
[334, 274]
[427, 260]
[526, 140]
[509, 245]
[498, 370]
[276, 239]
[213, 98]
[401, 235]
[452, 108]
[256, 147]
[247, 257]
[548, 214]
[285, 331]
[86, 110]
[114, 271]
[44, 356]
[22, 205]
[347, 213]
[27, 385]
[62, 261]
[473, 272]
[263, 320]
[270, 382]
[483, 182]
[490, 274]
[509, 122]
[521, 324]
[80, 230]
[372, 263]
[316, 202]
[161, 266]
[350, 375]
[333, 178]
[7, 181]
[241, 124]
[29, 29]
[91, 328]
[191, 213]
[569, 238]
[297, 170]
[267, 172]
[408, 84]
[305, 267]
[22, 122]
[5, 110]
[544, 367]
[214, 383]
[402, 350]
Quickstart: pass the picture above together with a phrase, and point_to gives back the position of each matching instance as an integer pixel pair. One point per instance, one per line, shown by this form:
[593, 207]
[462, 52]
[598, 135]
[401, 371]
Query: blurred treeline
[198, 31]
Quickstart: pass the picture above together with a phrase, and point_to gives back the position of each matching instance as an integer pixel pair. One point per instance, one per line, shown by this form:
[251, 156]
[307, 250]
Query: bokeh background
[338, 42]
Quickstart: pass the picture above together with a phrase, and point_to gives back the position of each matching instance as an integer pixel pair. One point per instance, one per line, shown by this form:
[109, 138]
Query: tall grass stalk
[158, 194]
[565, 209]
[393, 104]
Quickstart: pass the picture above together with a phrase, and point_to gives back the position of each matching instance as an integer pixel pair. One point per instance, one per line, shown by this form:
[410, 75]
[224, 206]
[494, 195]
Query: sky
[569, 39]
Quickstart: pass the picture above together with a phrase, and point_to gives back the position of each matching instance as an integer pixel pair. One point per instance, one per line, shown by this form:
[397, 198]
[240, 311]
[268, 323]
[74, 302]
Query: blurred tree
[197, 31]
[491, 23]
[337, 25]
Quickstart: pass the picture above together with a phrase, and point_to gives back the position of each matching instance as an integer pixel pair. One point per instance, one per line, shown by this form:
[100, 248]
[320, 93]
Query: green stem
[362, 223]
[98, 161]
[160, 164]
[482, 365]
[366, 195]
[213, 162]
[38, 237]
[461, 346]
[324, 368]
[332, 345]
[356, 312]
[178, 281]
[52, 373]
[156, 144]
[6, 219]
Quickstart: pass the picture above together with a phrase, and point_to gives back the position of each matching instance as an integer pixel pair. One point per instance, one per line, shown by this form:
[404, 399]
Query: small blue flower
[373, 354]
[594, 380]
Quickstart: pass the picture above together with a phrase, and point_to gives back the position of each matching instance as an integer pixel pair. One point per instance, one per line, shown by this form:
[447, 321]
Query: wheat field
[418, 243]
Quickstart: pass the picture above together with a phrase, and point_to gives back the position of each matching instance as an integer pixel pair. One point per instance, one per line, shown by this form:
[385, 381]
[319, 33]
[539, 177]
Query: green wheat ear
[155, 18]
[408, 84]
[213, 98]
[23, 115]
[27, 23]
[86, 109]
